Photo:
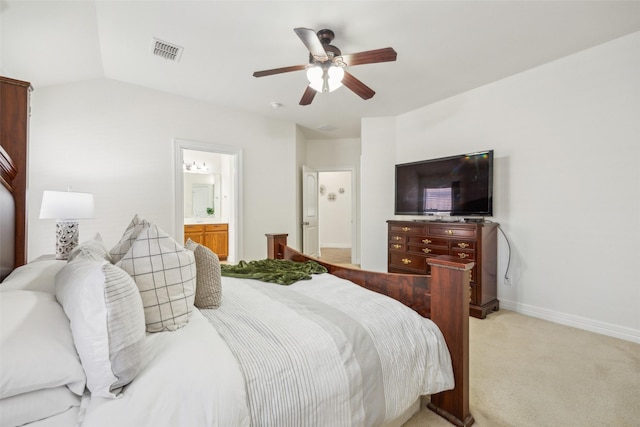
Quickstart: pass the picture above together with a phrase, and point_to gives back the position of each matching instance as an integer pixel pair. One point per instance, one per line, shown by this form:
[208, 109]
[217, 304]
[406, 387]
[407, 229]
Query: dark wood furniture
[442, 296]
[14, 125]
[213, 236]
[413, 243]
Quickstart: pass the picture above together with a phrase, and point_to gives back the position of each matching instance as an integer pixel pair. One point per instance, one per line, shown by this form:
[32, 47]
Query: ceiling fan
[326, 68]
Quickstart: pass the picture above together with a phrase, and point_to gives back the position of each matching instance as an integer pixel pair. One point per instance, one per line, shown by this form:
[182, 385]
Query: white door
[310, 233]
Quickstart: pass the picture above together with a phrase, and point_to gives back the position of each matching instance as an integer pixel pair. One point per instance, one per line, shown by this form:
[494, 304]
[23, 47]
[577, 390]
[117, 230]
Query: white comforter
[328, 352]
[190, 378]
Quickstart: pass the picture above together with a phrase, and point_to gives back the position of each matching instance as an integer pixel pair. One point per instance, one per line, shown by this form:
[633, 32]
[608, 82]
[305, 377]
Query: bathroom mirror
[202, 200]
[202, 192]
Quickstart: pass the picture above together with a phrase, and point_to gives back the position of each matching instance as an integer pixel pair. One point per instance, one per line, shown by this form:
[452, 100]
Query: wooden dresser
[412, 242]
[213, 236]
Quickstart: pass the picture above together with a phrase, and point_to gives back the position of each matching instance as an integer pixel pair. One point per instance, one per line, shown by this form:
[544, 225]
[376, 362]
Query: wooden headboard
[14, 124]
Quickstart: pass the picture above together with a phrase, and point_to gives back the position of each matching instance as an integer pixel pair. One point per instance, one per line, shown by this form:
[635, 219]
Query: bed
[346, 347]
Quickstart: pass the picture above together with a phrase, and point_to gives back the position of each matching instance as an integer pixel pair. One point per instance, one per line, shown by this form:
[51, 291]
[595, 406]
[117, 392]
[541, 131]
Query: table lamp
[66, 207]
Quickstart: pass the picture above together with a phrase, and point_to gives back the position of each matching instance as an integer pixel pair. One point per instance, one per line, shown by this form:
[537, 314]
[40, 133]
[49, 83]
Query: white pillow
[93, 248]
[36, 405]
[134, 228]
[107, 322]
[35, 276]
[36, 346]
[165, 273]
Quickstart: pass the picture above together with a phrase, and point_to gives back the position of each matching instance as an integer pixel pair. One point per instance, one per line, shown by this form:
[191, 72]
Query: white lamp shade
[66, 205]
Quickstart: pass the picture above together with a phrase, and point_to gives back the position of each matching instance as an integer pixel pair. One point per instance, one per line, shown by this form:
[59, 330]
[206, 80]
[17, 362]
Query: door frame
[355, 246]
[235, 225]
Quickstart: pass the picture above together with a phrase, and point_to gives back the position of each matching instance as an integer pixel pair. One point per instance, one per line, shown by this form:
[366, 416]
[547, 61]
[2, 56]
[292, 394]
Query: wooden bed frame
[443, 297]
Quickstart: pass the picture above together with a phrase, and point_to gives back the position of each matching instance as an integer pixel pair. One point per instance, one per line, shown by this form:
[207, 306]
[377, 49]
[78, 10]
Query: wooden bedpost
[450, 278]
[275, 245]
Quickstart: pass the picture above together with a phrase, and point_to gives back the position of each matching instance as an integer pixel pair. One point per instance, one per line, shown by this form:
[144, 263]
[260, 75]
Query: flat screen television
[459, 185]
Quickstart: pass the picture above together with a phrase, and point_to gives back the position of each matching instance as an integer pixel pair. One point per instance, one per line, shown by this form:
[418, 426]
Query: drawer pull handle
[450, 232]
[397, 246]
[397, 238]
[426, 250]
[426, 241]
[463, 245]
[405, 229]
[463, 255]
[406, 261]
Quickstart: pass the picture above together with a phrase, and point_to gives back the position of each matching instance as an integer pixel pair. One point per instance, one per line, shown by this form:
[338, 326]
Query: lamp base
[67, 233]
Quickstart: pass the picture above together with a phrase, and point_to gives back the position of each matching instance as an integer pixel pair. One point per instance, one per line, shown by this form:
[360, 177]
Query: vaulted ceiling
[444, 48]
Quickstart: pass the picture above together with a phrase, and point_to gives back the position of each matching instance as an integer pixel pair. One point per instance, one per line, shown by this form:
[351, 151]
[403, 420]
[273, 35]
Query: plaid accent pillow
[130, 235]
[165, 273]
[208, 278]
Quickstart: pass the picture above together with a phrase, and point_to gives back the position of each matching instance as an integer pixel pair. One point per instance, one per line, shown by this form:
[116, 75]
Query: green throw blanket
[279, 271]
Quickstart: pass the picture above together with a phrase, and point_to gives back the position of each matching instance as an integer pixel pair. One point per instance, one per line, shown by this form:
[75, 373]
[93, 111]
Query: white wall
[377, 190]
[116, 140]
[567, 181]
[334, 207]
[340, 155]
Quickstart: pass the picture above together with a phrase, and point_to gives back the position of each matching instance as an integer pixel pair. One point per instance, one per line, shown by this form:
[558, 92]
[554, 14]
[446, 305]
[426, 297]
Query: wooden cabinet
[411, 243]
[213, 236]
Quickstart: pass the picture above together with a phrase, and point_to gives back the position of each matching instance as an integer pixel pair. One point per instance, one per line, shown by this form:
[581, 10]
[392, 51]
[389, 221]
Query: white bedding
[191, 377]
[328, 352]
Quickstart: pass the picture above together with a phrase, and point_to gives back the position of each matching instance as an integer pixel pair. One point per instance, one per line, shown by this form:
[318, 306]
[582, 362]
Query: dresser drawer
[408, 262]
[463, 244]
[452, 231]
[408, 228]
[196, 228]
[397, 246]
[426, 240]
[395, 238]
[463, 254]
[428, 250]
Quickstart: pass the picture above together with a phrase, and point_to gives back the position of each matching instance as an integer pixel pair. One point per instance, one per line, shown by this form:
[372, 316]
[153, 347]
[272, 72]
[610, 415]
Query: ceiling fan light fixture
[323, 78]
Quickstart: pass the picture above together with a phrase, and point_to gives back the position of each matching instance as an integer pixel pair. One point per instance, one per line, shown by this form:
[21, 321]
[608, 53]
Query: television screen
[459, 185]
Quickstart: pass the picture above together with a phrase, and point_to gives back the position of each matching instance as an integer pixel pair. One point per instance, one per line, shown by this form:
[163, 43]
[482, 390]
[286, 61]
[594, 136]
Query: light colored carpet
[530, 372]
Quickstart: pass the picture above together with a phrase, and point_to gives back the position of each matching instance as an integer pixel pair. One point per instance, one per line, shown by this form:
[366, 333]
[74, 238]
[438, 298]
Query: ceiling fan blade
[312, 42]
[359, 88]
[279, 70]
[386, 54]
[307, 96]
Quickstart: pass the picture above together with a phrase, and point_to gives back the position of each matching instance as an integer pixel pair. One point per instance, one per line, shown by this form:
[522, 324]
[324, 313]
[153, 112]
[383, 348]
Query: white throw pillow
[36, 346]
[134, 228]
[107, 322]
[165, 273]
[93, 248]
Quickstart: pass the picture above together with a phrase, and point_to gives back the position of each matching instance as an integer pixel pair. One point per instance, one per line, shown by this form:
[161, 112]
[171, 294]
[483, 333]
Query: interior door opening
[336, 206]
[208, 196]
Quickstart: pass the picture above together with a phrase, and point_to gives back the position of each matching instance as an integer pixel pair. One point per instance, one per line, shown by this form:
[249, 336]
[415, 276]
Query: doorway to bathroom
[208, 196]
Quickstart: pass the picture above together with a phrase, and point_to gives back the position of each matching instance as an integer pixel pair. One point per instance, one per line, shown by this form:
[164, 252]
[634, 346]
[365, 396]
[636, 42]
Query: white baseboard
[336, 245]
[616, 331]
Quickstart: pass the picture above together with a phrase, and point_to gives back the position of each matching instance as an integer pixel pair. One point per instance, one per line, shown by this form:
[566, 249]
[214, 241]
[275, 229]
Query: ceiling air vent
[166, 50]
[326, 128]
